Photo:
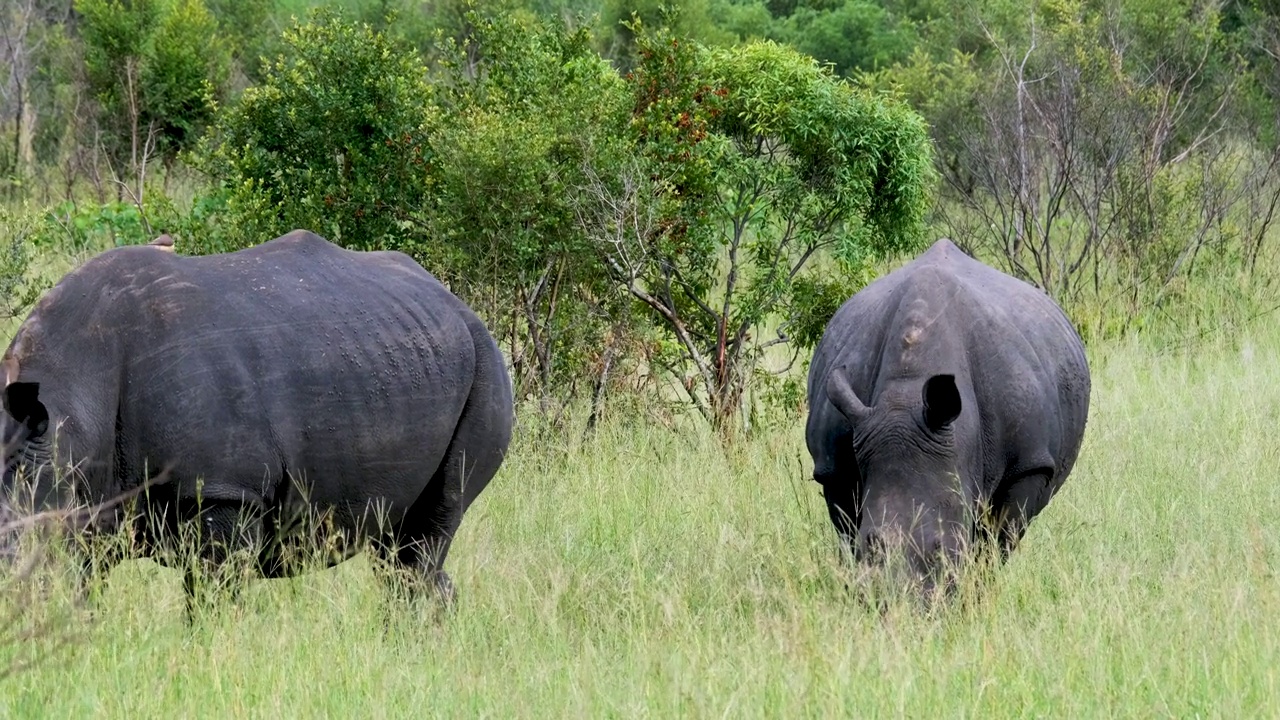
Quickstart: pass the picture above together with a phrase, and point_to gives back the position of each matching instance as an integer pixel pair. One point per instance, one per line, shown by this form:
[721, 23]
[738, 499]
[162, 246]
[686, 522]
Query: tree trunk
[602, 382]
[25, 157]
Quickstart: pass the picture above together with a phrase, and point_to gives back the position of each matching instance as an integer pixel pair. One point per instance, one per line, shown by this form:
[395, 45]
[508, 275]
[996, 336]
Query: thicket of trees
[578, 208]
[1105, 151]
[633, 195]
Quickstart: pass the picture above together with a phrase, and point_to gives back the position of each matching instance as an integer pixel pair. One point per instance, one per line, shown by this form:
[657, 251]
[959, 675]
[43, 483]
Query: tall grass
[651, 573]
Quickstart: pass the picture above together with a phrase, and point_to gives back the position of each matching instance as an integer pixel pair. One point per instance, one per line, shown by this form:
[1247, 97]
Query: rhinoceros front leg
[1012, 510]
[221, 540]
[92, 561]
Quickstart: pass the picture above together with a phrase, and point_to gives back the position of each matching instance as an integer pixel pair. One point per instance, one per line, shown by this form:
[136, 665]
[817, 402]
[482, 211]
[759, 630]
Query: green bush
[155, 67]
[334, 140]
[514, 137]
[21, 282]
[853, 35]
[759, 161]
[517, 135]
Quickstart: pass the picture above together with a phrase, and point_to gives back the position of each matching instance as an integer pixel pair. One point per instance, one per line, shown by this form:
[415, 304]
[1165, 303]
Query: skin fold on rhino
[947, 406]
[247, 390]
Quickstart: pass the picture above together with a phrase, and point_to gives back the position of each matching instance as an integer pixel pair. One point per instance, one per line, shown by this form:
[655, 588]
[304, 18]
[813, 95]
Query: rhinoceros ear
[941, 401]
[22, 401]
[841, 394]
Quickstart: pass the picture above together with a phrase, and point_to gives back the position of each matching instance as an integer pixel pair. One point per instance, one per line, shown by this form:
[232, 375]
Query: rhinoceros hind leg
[475, 453]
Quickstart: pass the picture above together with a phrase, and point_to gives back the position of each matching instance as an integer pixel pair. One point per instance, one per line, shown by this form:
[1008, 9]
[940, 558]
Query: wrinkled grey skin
[290, 377]
[948, 403]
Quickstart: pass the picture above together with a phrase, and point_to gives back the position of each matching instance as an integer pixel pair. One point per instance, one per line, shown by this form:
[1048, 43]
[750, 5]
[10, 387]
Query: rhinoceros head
[24, 430]
[907, 501]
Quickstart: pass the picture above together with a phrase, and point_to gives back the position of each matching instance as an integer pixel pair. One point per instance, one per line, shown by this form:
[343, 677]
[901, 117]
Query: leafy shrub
[517, 135]
[334, 140]
[20, 283]
[156, 69]
[759, 161]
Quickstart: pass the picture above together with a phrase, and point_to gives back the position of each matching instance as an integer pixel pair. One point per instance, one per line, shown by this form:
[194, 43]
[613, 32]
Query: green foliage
[689, 19]
[674, 109]
[87, 228]
[857, 168]
[816, 296]
[853, 35]
[516, 138]
[1104, 151]
[78, 230]
[743, 20]
[334, 140]
[765, 160]
[154, 66]
[184, 71]
[20, 283]
[849, 34]
[56, 94]
[247, 26]
[115, 32]
[740, 187]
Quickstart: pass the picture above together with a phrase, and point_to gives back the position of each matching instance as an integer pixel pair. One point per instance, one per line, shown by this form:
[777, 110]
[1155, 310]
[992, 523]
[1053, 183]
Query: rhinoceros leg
[424, 537]
[474, 455]
[1014, 508]
[221, 530]
[124, 535]
[93, 561]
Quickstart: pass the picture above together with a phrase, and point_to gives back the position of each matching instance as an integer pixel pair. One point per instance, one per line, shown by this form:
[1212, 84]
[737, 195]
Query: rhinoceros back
[291, 370]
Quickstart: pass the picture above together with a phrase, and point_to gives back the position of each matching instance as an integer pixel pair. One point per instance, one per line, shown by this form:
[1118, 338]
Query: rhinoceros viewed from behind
[254, 388]
[947, 405]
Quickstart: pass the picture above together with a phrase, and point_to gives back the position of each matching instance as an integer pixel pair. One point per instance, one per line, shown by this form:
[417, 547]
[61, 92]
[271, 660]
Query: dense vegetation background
[664, 201]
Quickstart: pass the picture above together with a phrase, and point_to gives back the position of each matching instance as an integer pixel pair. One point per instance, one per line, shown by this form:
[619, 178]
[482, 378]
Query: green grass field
[648, 573]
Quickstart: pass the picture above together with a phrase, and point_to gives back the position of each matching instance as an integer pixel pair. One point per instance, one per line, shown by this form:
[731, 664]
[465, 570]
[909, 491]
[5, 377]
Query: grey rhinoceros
[253, 388]
[947, 404]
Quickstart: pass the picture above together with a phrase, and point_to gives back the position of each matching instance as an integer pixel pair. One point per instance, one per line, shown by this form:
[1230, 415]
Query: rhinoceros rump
[947, 404]
[265, 384]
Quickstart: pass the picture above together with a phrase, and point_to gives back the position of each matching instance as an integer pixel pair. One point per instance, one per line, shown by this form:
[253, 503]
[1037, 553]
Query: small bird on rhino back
[947, 405]
[248, 389]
